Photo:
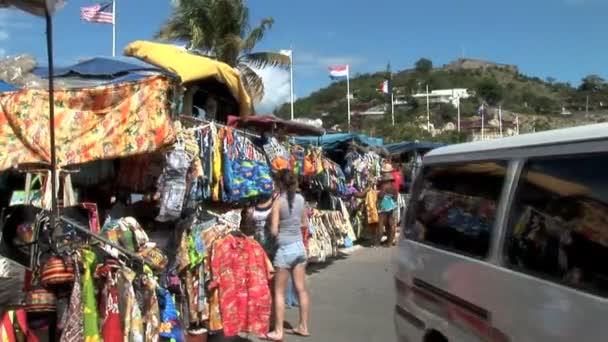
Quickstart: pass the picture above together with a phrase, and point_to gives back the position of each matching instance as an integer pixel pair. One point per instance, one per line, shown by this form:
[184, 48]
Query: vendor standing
[387, 203]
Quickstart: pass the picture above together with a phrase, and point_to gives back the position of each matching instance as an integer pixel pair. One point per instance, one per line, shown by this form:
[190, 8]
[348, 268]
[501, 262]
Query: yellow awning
[191, 68]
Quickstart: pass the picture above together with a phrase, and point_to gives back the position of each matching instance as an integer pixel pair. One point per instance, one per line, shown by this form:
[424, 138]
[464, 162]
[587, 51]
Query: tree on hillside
[424, 65]
[592, 83]
[221, 29]
[490, 91]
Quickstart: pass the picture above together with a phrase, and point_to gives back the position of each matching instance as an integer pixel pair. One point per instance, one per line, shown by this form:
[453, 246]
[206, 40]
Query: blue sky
[565, 39]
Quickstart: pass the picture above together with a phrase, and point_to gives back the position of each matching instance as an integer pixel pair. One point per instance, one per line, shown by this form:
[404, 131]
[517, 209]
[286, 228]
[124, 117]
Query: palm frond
[253, 82]
[186, 24]
[257, 34]
[262, 60]
[229, 49]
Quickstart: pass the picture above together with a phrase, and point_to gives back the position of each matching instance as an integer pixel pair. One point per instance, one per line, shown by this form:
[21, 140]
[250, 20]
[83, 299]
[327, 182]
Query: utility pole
[428, 110]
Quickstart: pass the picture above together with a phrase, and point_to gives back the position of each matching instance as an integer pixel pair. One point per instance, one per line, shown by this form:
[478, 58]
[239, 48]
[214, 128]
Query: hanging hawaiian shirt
[152, 310]
[130, 312]
[241, 271]
[91, 318]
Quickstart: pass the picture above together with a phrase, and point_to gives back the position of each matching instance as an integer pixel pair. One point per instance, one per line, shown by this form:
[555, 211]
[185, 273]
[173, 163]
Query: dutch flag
[385, 87]
[338, 72]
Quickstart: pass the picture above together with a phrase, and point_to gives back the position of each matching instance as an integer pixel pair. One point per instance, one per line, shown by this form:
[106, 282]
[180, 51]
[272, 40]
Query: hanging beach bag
[57, 272]
[32, 194]
[298, 155]
[243, 178]
[40, 300]
[309, 163]
[277, 155]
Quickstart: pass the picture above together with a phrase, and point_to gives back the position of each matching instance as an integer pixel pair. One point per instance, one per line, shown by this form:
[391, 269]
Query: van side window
[455, 206]
[558, 227]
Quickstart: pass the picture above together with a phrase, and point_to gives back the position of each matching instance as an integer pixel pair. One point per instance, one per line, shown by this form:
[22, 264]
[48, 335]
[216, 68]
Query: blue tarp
[333, 141]
[96, 71]
[7, 87]
[410, 146]
[102, 67]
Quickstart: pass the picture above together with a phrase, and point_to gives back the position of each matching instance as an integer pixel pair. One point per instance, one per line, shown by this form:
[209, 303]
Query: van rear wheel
[434, 336]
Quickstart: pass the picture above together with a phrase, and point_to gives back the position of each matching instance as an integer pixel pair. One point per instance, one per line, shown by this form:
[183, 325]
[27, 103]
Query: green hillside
[538, 103]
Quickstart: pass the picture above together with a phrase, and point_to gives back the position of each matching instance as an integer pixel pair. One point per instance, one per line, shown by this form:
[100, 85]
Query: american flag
[98, 13]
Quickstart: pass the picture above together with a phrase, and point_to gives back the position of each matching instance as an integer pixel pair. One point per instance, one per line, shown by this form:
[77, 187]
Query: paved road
[352, 300]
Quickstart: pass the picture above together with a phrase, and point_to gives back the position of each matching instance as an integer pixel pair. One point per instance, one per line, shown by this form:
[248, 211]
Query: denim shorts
[291, 255]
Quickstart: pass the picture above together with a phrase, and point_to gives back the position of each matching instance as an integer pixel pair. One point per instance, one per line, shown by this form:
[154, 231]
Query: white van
[507, 240]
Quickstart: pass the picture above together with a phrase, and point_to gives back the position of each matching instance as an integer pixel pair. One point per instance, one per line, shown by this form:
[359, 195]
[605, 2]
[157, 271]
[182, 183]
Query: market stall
[135, 234]
[212, 89]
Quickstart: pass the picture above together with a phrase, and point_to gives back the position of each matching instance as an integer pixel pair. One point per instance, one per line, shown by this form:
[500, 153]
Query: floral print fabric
[111, 325]
[152, 310]
[103, 122]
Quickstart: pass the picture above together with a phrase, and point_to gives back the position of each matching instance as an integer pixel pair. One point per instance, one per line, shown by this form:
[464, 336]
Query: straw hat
[387, 168]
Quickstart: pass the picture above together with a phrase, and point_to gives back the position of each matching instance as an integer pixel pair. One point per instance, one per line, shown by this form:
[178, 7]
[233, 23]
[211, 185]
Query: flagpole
[392, 107]
[114, 28]
[348, 94]
[458, 103]
[482, 122]
[291, 79]
[500, 119]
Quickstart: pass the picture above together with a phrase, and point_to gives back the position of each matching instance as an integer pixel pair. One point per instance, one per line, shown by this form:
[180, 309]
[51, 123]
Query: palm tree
[220, 29]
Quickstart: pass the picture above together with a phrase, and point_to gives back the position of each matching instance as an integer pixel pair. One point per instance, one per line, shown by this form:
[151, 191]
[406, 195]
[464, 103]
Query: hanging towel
[73, 323]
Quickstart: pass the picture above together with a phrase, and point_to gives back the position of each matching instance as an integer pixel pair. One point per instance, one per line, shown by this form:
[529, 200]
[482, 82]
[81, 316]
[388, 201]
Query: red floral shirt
[241, 270]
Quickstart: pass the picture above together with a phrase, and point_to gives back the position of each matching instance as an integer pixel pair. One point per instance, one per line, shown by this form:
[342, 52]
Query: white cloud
[2, 53]
[306, 60]
[276, 89]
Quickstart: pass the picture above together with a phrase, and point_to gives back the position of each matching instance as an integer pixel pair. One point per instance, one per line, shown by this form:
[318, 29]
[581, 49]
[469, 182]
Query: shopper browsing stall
[288, 215]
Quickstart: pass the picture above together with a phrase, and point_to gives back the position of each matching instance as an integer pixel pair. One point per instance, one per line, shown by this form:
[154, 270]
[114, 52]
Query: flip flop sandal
[296, 332]
[266, 337]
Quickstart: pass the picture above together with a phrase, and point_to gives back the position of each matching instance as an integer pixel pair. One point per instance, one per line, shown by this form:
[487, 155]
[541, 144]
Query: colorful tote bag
[243, 178]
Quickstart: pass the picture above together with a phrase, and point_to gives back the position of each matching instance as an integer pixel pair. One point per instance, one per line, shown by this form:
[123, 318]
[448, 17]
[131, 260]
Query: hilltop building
[478, 64]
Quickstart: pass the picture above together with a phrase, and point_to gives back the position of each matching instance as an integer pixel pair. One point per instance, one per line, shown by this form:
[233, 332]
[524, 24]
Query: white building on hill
[452, 96]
